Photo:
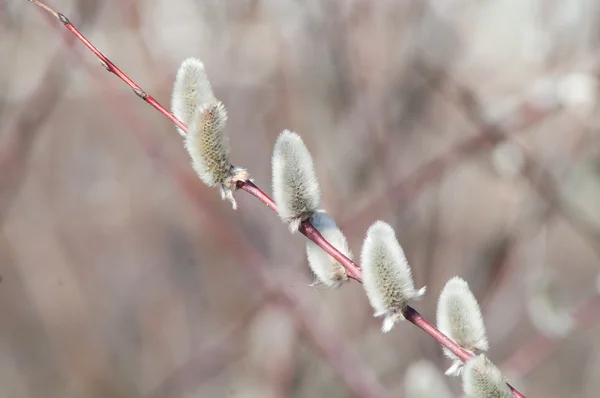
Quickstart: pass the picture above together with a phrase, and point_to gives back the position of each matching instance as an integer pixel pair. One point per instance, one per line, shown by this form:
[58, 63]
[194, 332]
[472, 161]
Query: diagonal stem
[112, 68]
[306, 227]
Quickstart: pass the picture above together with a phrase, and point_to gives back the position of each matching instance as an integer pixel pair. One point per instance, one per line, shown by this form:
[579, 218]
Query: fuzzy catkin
[194, 103]
[191, 90]
[208, 147]
[387, 277]
[482, 379]
[459, 317]
[328, 271]
[295, 186]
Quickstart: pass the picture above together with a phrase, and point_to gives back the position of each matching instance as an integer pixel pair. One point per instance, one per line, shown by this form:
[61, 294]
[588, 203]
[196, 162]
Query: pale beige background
[117, 284]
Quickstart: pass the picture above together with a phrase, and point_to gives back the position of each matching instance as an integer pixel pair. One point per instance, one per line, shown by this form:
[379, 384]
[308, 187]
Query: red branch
[306, 227]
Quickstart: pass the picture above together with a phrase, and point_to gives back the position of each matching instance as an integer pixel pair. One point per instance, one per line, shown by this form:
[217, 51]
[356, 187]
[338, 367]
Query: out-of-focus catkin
[424, 380]
[328, 271]
[459, 317]
[295, 187]
[482, 379]
[546, 312]
[191, 90]
[387, 277]
[209, 150]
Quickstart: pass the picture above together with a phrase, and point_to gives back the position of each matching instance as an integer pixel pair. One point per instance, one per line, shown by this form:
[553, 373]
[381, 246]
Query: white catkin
[295, 186]
[578, 92]
[387, 278]
[424, 380]
[209, 150]
[328, 271]
[459, 317]
[482, 379]
[191, 90]
[545, 311]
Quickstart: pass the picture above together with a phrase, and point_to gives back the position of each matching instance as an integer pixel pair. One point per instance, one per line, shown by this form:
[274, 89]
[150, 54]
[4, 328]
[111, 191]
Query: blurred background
[471, 126]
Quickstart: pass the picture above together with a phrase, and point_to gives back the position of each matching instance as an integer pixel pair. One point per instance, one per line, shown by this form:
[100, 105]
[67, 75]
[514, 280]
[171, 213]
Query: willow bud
[459, 317]
[387, 278]
[209, 150]
[482, 379]
[295, 186]
[191, 90]
[328, 271]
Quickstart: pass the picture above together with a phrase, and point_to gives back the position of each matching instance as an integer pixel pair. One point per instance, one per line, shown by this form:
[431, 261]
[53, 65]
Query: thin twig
[307, 229]
[112, 68]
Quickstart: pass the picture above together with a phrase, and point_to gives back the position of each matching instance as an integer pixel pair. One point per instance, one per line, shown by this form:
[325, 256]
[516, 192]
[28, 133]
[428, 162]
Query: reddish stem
[306, 227]
[352, 269]
[258, 193]
[112, 68]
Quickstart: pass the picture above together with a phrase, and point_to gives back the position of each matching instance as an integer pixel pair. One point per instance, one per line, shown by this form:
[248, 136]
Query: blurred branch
[539, 178]
[432, 238]
[410, 186]
[504, 268]
[209, 360]
[17, 141]
[537, 350]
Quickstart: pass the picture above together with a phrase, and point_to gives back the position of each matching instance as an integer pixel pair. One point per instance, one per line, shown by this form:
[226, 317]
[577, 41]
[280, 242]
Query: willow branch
[306, 227]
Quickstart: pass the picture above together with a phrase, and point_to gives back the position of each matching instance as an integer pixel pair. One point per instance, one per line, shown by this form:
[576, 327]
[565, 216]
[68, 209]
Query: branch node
[63, 19]
[140, 93]
[105, 65]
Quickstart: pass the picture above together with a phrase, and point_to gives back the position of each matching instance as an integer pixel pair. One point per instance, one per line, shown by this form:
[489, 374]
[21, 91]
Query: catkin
[328, 271]
[482, 379]
[295, 187]
[459, 317]
[191, 90]
[387, 278]
[194, 103]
